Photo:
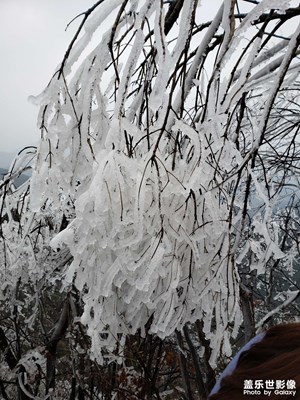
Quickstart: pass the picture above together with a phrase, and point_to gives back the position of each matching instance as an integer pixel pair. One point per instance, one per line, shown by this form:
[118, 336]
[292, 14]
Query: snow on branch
[151, 131]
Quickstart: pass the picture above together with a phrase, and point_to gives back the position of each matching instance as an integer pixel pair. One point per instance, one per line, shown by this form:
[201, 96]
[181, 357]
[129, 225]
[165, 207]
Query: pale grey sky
[32, 43]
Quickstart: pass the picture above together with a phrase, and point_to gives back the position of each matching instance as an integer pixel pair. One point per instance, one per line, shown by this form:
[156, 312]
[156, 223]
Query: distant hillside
[19, 181]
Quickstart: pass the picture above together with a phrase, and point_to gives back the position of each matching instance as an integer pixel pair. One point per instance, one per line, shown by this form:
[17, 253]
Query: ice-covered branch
[291, 296]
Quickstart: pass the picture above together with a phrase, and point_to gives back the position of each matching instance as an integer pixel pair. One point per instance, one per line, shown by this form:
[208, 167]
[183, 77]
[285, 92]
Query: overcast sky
[32, 43]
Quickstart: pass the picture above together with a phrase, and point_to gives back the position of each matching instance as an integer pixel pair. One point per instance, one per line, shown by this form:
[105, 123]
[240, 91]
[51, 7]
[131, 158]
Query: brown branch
[51, 347]
[9, 357]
